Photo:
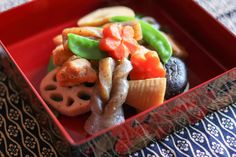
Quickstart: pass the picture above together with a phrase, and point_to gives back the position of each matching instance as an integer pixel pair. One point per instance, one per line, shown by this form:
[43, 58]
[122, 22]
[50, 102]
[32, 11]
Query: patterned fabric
[215, 135]
[21, 134]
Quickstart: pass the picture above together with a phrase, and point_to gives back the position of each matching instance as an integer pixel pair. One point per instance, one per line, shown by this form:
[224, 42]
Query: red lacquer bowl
[27, 33]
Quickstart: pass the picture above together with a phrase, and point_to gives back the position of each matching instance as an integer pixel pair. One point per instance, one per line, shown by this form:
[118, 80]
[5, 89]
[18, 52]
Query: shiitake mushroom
[176, 74]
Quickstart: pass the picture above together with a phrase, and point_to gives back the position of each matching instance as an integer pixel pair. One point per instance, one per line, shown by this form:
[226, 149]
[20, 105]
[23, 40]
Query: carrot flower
[118, 41]
[146, 64]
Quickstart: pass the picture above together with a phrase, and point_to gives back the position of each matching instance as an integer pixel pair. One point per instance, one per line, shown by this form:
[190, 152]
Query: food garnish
[146, 64]
[118, 41]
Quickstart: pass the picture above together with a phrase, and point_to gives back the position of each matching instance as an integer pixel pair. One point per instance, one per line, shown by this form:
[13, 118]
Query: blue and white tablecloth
[215, 135]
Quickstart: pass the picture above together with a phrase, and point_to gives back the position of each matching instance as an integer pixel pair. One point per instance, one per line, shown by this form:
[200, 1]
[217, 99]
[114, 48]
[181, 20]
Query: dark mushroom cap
[176, 74]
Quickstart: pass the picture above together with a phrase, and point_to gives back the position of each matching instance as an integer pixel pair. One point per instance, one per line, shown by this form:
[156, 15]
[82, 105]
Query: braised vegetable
[157, 40]
[105, 115]
[146, 64]
[118, 41]
[152, 36]
[144, 94]
[66, 100]
[85, 47]
[106, 68]
[112, 58]
[176, 77]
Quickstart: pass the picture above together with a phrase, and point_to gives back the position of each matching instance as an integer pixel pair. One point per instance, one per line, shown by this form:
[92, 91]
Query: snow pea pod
[85, 47]
[152, 36]
[157, 40]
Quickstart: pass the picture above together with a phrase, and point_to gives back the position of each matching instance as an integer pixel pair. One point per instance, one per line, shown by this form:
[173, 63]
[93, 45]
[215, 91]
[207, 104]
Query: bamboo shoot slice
[144, 94]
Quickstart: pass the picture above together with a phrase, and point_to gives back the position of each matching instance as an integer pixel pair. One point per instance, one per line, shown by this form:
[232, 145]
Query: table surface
[20, 134]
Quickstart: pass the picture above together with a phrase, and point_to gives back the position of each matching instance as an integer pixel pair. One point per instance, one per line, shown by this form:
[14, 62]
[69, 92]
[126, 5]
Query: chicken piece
[76, 71]
[106, 115]
[60, 55]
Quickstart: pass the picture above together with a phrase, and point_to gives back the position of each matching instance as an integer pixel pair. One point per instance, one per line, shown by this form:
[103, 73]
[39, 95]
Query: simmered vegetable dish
[113, 58]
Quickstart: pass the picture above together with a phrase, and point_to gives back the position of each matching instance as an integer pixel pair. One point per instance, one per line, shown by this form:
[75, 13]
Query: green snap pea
[152, 36]
[157, 40]
[85, 47]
